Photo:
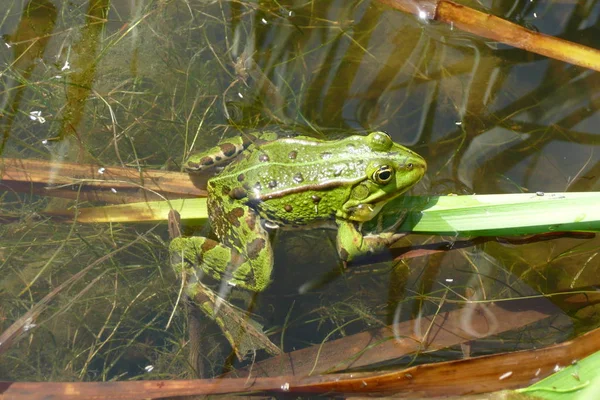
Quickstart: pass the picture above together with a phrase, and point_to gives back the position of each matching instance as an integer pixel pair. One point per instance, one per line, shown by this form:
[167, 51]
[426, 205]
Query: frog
[267, 181]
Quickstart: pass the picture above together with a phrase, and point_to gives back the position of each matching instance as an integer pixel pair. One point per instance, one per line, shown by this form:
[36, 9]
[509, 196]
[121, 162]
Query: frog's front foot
[393, 228]
[351, 243]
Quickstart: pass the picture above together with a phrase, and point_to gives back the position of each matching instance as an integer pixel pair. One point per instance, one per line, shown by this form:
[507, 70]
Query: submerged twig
[441, 330]
[468, 376]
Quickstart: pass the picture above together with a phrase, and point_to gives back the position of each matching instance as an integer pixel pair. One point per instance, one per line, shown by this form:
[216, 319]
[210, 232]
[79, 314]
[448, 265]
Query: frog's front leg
[351, 243]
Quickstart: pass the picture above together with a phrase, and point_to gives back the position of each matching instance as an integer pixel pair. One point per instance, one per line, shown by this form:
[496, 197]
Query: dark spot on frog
[288, 208]
[254, 248]
[247, 140]
[225, 190]
[193, 165]
[228, 149]
[205, 247]
[206, 161]
[218, 158]
[208, 245]
[316, 199]
[272, 184]
[251, 221]
[238, 193]
[212, 184]
[263, 158]
[344, 254]
[234, 216]
[298, 178]
[241, 177]
[292, 155]
[236, 258]
[214, 206]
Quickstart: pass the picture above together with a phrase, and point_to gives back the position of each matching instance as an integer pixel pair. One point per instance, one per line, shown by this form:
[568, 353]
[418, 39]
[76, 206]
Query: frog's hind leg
[252, 264]
[223, 153]
[199, 254]
[204, 256]
[250, 268]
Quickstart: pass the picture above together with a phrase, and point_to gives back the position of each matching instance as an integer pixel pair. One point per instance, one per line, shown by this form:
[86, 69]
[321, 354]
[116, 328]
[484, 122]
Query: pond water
[142, 83]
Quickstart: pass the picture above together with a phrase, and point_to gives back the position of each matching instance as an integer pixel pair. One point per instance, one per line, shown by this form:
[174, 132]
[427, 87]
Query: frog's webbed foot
[243, 333]
[383, 237]
[394, 227]
[351, 243]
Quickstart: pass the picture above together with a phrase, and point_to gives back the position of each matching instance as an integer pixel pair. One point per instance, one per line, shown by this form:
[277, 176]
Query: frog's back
[296, 180]
[294, 164]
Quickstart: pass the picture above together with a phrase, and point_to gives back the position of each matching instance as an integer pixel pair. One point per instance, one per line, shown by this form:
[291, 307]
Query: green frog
[271, 182]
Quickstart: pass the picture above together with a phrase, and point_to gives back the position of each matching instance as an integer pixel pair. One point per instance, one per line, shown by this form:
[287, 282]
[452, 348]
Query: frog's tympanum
[294, 182]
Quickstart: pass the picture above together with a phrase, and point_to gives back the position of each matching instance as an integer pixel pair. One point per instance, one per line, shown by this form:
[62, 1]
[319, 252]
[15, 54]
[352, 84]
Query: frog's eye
[380, 141]
[383, 175]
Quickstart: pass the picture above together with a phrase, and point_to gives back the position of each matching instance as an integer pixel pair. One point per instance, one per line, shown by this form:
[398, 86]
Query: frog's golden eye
[383, 175]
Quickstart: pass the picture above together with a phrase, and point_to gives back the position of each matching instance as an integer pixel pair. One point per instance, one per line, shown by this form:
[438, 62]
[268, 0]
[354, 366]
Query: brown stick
[91, 182]
[439, 331]
[470, 376]
[491, 27]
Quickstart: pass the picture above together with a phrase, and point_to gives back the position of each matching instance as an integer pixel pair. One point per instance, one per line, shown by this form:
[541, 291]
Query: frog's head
[391, 170]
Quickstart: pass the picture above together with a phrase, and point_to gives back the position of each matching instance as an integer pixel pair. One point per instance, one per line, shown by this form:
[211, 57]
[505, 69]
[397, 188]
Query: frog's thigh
[246, 260]
[192, 252]
[352, 243]
[254, 268]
